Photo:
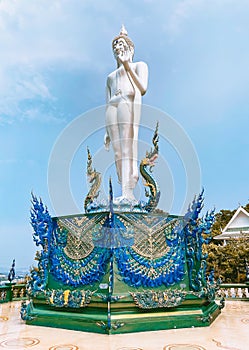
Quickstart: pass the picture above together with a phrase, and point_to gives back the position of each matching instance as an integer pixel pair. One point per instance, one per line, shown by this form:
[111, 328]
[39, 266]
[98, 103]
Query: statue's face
[120, 46]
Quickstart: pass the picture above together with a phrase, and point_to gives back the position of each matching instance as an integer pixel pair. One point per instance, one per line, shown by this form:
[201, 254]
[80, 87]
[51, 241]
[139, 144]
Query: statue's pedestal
[125, 318]
[118, 273]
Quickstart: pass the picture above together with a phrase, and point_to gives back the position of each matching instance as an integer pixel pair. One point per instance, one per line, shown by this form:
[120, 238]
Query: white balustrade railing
[233, 291]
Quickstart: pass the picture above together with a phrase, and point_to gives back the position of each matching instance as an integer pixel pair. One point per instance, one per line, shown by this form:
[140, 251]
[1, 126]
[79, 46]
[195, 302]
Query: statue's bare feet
[124, 200]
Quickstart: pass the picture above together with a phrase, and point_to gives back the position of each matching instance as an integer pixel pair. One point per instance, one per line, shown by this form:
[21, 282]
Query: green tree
[228, 261]
[221, 220]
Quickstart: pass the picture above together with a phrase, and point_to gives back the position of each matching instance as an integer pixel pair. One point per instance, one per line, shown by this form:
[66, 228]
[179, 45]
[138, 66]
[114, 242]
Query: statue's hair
[126, 38]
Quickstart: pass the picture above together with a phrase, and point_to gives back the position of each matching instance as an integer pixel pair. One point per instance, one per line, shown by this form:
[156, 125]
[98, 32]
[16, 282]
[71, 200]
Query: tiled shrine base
[229, 331]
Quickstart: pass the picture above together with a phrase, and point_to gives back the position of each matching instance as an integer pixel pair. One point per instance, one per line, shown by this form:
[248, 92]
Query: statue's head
[124, 41]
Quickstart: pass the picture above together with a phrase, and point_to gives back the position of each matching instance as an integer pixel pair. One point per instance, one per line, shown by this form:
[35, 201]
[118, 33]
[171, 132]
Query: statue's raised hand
[125, 57]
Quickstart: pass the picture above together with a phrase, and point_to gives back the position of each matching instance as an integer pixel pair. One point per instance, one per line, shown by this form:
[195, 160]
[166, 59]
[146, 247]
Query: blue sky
[54, 60]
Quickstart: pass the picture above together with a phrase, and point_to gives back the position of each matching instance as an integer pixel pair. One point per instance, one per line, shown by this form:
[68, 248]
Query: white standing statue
[124, 91]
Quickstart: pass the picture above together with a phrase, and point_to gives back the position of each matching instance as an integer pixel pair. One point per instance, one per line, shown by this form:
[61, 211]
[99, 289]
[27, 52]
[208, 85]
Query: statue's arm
[107, 139]
[139, 76]
[107, 92]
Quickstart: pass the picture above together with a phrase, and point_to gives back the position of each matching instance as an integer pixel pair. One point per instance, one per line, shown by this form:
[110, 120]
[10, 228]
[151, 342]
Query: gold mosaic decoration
[79, 239]
[77, 248]
[150, 234]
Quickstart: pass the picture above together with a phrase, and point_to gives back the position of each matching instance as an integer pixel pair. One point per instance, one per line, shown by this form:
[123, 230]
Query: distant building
[237, 227]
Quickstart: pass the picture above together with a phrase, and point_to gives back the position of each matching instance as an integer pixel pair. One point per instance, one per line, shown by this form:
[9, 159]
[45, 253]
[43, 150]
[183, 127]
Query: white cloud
[182, 11]
[185, 10]
[36, 36]
[46, 31]
[18, 86]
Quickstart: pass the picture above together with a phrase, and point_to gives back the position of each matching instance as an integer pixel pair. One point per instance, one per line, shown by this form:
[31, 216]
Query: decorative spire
[12, 273]
[123, 31]
[110, 197]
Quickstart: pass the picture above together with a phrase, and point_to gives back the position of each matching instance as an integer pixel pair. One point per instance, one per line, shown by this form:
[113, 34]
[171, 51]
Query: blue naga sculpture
[197, 233]
[42, 224]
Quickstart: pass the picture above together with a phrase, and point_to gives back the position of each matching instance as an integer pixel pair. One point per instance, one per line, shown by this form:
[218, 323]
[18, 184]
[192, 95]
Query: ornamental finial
[123, 31]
